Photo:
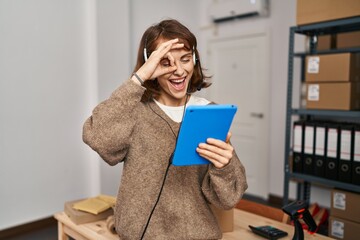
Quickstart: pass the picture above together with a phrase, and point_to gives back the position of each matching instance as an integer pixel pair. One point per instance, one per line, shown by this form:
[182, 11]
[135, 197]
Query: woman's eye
[165, 63]
[185, 60]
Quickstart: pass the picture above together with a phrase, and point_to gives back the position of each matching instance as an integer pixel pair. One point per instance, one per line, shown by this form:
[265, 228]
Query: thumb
[228, 137]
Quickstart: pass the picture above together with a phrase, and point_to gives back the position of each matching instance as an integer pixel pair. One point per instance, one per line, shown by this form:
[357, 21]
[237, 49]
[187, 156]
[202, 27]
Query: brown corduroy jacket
[125, 129]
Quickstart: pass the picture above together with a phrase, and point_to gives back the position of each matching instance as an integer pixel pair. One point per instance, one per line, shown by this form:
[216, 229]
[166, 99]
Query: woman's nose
[179, 69]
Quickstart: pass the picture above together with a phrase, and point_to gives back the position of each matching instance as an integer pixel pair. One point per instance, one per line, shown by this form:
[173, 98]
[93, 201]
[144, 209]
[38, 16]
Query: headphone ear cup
[194, 58]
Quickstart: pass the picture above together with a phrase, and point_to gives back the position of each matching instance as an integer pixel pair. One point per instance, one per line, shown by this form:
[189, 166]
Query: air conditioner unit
[225, 10]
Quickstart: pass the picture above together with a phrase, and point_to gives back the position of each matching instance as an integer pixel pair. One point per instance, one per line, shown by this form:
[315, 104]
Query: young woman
[138, 126]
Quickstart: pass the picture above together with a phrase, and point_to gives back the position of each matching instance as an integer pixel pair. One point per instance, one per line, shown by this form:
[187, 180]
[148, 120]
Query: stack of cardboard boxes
[310, 11]
[333, 83]
[332, 80]
[344, 220]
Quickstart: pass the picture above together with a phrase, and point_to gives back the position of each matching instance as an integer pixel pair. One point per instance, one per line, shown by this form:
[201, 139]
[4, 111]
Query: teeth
[178, 80]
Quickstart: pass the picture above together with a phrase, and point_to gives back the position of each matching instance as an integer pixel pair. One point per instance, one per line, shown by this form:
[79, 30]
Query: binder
[298, 146]
[332, 152]
[345, 158]
[356, 156]
[320, 140]
[308, 156]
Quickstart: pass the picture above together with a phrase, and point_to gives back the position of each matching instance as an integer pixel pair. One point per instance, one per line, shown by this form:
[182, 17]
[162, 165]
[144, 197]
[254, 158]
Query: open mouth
[178, 84]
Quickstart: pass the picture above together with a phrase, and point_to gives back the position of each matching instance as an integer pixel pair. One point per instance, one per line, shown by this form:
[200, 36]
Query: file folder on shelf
[298, 146]
[308, 156]
[356, 156]
[320, 138]
[345, 158]
[332, 159]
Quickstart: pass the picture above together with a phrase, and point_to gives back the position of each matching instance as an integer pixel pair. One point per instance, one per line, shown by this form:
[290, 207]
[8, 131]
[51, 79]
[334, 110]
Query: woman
[138, 126]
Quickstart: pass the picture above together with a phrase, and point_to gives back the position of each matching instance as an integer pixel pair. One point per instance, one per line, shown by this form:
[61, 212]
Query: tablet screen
[200, 123]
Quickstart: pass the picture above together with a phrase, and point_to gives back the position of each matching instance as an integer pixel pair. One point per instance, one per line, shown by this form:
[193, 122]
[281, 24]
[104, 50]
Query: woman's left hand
[216, 151]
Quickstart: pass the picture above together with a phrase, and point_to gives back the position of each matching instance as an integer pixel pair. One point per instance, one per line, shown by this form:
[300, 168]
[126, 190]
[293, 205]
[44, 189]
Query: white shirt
[176, 113]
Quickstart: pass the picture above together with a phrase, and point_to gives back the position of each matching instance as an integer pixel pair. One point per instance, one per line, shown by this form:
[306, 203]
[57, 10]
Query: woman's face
[174, 85]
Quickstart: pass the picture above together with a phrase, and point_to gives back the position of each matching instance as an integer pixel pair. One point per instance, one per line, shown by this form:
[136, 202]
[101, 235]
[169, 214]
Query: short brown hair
[170, 29]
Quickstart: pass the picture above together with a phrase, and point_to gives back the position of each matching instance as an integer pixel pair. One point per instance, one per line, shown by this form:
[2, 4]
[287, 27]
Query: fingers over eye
[170, 58]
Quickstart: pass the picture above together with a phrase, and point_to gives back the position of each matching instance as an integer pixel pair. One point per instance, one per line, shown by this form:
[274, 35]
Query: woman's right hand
[152, 68]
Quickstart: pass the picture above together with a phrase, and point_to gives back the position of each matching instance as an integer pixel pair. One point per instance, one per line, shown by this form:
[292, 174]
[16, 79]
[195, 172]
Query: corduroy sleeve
[108, 130]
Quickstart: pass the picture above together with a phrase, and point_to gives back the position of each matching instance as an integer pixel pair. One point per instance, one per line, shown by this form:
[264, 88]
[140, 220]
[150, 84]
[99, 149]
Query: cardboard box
[333, 96]
[80, 217]
[343, 229]
[348, 40]
[345, 205]
[310, 11]
[225, 218]
[326, 42]
[341, 67]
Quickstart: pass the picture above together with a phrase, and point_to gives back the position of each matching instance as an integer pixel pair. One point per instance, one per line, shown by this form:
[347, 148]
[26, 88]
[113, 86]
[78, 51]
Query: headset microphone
[145, 55]
[199, 87]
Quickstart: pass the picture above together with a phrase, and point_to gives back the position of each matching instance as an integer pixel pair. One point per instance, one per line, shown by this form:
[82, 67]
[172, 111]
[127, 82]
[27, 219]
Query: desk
[243, 219]
[98, 230]
[88, 231]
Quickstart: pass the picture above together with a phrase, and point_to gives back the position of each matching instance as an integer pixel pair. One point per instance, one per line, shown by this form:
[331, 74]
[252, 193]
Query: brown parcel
[341, 67]
[326, 42]
[338, 41]
[348, 40]
[323, 42]
[333, 96]
[343, 229]
[80, 217]
[225, 218]
[312, 11]
[345, 205]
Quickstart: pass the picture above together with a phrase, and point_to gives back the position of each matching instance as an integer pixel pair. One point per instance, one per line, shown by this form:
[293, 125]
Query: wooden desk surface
[98, 230]
[243, 219]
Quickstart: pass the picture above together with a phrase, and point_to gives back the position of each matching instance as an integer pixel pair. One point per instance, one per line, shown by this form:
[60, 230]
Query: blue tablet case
[200, 123]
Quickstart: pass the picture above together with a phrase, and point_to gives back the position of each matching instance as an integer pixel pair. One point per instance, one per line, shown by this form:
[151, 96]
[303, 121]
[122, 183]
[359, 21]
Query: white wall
[146, 13]
[47, 84]
[113, 68]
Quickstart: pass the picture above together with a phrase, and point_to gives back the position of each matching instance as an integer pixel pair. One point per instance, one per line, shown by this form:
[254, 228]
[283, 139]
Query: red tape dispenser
[299, 210]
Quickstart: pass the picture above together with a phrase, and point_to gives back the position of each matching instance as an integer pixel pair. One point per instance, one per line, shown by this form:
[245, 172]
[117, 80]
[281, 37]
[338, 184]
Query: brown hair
[170, 29]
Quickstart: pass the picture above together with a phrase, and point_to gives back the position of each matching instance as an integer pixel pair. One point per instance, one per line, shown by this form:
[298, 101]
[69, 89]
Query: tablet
[200, 123]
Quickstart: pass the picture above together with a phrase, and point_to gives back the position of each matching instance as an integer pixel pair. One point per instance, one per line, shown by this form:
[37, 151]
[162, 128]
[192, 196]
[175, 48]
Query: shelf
[331, 51]
[305, 181]
[327, 113]
[336, 26]
[324, 182]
